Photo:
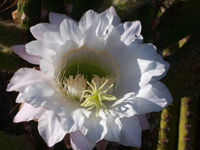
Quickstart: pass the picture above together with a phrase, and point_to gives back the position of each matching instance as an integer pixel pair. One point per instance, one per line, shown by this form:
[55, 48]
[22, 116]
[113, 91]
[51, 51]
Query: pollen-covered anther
[95, 97]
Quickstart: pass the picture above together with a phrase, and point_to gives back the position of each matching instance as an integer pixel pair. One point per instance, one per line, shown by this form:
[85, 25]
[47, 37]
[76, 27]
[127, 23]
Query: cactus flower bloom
[95, 83]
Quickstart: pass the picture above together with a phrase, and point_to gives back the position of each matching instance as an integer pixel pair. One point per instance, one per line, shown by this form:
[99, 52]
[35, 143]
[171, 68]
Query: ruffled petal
[125, 107]
[20, 50]
[88, 24]
[88, 21]
[70, 30]
[129, 71]
[73, 117]
[39, 29]
[52, 37]
[47, 68]
[19, 98]
[113, 45]
[131, 132]
[50, 129]
[141, 63]
[94, 127]
[146, 55]
[25, 77]
[56, 19]
[80, 142]
[40, 94]
[112, 128]
[28, 112]
[143, 122]
[150, 98]
[129, 32]
[115, 20]
[96, 28]
[157, 69]
[38, 48]
[153, 98]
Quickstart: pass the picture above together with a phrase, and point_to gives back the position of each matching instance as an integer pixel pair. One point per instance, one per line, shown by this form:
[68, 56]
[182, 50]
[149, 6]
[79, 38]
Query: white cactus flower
[96, 80]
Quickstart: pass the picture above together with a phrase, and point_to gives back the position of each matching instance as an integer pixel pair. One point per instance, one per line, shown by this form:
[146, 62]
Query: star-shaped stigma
[96, 97]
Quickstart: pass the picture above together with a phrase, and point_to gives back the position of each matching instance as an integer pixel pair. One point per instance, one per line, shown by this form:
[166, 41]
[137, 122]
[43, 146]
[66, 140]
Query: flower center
[96, 97]
[81, 68]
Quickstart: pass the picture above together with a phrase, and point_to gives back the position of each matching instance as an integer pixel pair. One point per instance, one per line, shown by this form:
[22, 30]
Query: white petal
[39, 29]
[28, 112]
[113, 45]
[56, 19]
[70, 30]
[25, 77]
[88, 21]
[125, 107]
[153, 97]
[50, 129]
[112, 129]
[129, 31]
[47, 68]
[19, 98]
[67, 47]
[67, 122]
[115, 19]
[52, 37]
[90, 24]
[40, 94]
[61, 50]
[131, 132]
[158, 68]
[129, 71]
[137, 66]
[150, 98]
[92, 127]
[143, 122]
[146, 54]
[80, 142]
[20, 50]
[38, 48]
[73, 117]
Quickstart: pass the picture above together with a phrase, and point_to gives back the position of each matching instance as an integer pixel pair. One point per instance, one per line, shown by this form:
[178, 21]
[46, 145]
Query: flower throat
[88, 77]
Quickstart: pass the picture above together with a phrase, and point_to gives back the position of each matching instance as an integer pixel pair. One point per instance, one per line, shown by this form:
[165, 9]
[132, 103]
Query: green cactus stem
[29, 14]
[168, 134]
[11, 35]
[188, 123]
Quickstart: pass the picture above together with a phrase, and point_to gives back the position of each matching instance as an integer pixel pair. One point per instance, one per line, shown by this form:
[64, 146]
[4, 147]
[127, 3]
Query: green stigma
[96, 97]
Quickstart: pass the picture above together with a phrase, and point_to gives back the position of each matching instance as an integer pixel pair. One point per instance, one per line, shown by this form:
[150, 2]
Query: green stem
[169, 127]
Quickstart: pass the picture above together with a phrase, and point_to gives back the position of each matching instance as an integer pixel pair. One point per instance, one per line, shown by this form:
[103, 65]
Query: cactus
[11, 35]
[188, 126]
[164, 23]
